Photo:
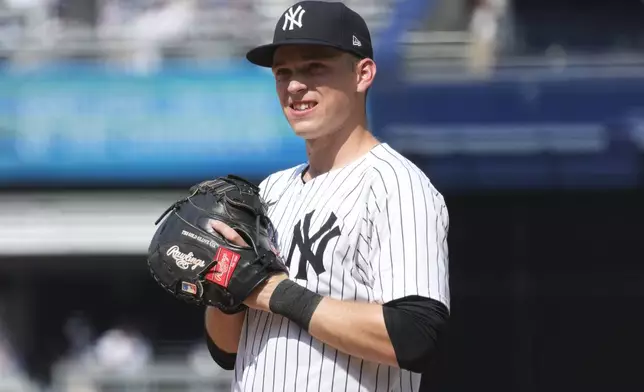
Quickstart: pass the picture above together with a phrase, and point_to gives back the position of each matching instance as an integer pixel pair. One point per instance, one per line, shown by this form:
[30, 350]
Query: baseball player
[362, 231]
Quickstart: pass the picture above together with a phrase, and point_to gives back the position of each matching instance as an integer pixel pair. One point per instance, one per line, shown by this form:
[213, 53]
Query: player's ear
[365, 74]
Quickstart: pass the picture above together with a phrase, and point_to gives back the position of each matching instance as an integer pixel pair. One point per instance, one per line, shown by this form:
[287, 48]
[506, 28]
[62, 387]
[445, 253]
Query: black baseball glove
[195, 263]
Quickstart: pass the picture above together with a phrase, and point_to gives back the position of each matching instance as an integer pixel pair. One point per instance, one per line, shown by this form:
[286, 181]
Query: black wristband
[294, 302]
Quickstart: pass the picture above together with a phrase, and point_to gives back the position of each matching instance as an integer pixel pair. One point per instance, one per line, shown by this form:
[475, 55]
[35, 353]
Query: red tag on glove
[223, 270]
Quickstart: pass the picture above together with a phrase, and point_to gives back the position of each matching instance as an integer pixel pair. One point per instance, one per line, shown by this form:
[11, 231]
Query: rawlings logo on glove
[184, 261]
[193, 262]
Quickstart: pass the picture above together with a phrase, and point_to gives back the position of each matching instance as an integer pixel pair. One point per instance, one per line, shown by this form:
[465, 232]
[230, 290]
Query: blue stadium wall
[87, 126]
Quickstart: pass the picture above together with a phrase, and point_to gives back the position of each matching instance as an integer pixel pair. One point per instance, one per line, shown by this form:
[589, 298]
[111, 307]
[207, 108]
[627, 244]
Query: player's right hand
[228, 232]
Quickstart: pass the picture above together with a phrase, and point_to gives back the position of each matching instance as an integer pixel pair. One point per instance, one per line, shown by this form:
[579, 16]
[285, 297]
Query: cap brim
[263, 55]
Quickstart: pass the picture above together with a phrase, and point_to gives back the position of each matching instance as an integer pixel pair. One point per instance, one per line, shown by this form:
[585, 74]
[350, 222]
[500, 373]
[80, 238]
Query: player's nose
[296, 86]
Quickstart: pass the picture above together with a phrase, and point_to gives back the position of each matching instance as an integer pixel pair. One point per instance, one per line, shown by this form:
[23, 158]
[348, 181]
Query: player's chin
[305, 129]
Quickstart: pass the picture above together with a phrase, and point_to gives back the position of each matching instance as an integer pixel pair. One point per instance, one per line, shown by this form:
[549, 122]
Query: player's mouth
[302, 108]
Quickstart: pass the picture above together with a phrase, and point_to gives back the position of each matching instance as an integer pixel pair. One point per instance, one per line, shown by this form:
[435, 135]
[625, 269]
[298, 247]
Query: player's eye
[315, 68]
[282, 73]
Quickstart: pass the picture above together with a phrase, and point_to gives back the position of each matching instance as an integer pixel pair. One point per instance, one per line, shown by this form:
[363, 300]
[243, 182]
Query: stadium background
[528, 115]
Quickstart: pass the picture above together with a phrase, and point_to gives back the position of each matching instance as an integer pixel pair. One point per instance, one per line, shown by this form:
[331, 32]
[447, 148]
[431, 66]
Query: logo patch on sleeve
[223, 270]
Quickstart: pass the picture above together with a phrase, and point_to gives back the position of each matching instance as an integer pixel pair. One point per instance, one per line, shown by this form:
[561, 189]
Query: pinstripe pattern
[393, 242]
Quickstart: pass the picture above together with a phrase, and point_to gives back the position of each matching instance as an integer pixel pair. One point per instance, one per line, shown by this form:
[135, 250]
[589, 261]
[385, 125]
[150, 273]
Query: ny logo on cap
[291, 15]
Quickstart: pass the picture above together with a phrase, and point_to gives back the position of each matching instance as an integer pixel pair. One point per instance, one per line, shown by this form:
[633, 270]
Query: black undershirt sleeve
[416, 326]
[222, 358]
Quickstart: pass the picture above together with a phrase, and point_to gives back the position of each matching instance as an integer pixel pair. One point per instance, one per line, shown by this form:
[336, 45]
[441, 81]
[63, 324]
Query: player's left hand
[260, 297]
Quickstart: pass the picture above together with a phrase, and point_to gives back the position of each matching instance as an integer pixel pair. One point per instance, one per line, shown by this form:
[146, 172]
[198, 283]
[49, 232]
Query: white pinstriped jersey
[372, 231]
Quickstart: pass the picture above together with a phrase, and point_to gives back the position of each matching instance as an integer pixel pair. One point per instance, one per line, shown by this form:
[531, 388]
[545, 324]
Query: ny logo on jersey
[304, 242]
[290, 18]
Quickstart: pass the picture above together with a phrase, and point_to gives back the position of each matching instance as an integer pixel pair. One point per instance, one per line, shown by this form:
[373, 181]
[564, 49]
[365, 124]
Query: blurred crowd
[487, 19]
[120, 349]
[119, 357]
[141, 33]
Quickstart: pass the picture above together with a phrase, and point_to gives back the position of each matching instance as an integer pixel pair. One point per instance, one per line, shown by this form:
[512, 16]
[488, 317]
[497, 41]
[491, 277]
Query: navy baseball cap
[317, 23]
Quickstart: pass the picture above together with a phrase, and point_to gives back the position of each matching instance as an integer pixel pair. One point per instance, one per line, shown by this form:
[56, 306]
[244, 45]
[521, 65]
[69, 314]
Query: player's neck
[337, 150]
